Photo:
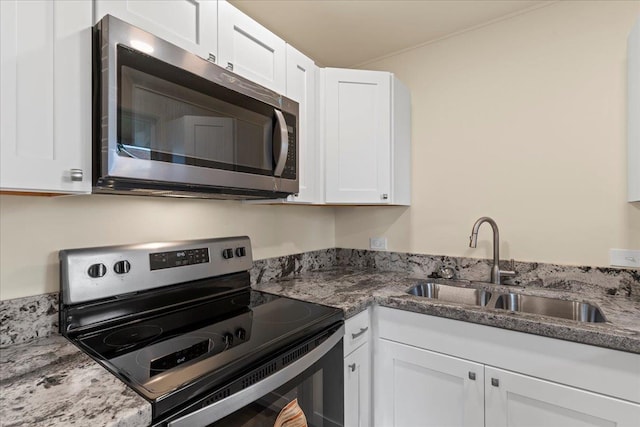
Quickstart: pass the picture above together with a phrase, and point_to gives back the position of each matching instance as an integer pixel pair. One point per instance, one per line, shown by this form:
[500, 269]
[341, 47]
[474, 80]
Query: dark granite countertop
[49, 382]
[355, 290]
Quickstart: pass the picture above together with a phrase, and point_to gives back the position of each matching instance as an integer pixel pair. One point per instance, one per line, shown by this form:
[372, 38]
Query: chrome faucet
[496, 273]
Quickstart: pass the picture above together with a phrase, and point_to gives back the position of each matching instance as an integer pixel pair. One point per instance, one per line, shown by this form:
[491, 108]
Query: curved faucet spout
[473, 241]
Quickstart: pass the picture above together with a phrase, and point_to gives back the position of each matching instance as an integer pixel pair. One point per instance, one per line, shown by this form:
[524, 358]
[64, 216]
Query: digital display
[161, 260]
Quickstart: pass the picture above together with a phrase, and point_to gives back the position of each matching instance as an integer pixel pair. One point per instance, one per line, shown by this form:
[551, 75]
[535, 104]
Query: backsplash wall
[34, 229]
[28, 318]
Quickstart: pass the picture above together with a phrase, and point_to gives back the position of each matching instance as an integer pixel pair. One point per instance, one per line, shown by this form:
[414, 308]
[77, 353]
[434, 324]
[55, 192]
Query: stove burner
[132, 335]
[291, 314]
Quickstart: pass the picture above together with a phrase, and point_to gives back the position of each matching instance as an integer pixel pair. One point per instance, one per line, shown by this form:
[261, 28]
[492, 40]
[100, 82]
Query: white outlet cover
[378, 243]
[624, 258]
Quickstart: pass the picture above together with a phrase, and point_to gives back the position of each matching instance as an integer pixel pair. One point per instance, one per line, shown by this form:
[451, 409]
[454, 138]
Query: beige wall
[524, 121]
[34, 229]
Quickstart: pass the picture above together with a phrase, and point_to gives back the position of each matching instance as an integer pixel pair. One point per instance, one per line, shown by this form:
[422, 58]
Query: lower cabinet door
[516, 400]
[357, 388]
[416, 387]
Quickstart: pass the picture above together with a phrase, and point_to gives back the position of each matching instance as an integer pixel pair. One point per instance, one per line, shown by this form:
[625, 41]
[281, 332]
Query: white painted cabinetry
[249, 49]
[432, 371]
[633, 114]
[357, 371]
[45, 107]
[367, 137]
[301, 87]
[189, 24]
[422, 388]
[514, 400]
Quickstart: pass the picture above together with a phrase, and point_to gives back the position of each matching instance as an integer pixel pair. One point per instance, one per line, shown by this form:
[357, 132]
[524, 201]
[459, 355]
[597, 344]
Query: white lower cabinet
[421, 388]
[357, 387]
[430, 371]
[357, 371]
[514, 400]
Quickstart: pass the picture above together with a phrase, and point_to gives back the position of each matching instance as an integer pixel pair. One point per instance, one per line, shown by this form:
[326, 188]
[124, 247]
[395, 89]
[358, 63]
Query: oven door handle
[229, 405]
[280, 143]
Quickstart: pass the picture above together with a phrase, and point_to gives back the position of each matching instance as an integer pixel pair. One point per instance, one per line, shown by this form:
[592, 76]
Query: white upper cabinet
[367, 137]
[633, 114]
[250, 50]
[45, 107]
[301, 87]
[189, 24]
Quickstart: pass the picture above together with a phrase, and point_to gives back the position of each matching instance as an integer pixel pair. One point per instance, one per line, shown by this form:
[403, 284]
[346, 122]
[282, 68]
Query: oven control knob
[241, 251]
[227, 253]
[122, 267]
[241, 333]
[227, 339]
[97, 270]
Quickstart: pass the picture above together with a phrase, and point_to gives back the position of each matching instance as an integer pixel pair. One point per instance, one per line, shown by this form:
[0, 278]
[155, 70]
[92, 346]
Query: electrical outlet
[624, 258]
[378, 243]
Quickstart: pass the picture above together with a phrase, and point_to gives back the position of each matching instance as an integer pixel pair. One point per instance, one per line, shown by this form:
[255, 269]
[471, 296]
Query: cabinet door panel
[357, 388]
[516, 400]
[421, 388]
[358, 138]
[250, 49]
[301, 87]
[190, 24]
[45, 108]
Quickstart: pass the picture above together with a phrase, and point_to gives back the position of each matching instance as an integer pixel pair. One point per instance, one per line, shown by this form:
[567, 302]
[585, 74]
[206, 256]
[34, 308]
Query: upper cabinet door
[250, 50]
[189, 24]
[357, 136]
[45, 108]
[301, 87]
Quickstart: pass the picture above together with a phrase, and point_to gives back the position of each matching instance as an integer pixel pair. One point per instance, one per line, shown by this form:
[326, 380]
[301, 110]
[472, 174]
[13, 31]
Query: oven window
[168, 115]
[319, 391]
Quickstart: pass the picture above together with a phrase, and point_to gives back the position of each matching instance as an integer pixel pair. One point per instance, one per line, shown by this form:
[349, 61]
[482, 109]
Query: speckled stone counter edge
[29, 318]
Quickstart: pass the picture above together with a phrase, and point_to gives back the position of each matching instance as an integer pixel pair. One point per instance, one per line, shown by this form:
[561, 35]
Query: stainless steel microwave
[169, 123]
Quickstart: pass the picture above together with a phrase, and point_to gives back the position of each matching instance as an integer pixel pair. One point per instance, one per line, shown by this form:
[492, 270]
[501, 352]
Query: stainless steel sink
[449, 293]
[573, 310]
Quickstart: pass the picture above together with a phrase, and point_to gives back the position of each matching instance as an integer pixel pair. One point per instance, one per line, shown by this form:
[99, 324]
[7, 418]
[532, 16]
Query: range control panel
[93, 273]
[160, 260]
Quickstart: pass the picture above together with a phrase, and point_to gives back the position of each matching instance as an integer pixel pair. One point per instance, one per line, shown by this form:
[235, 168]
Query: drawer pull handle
[495, 382]
[357, 334]
[472, 376]
[352, 367]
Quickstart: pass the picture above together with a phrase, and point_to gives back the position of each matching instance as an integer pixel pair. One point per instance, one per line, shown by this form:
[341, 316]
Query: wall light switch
[378, 243]
[624, 258]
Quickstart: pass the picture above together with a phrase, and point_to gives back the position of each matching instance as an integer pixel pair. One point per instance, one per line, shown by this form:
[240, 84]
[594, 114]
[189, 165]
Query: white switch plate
[378, 243]
[624, 258]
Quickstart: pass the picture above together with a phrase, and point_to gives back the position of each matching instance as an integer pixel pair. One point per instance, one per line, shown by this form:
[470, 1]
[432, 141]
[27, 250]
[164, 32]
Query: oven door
[315, 380]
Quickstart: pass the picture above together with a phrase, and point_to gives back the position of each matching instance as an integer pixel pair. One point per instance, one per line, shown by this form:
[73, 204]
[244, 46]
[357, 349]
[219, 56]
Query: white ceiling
[348, 33]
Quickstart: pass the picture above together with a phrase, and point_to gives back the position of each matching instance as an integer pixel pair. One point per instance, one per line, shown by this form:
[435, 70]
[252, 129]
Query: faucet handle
[509, 273]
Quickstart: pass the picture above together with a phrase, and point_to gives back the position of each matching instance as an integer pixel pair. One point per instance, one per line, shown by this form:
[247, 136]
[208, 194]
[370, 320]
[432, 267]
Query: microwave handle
[229, 405]
[280, 143]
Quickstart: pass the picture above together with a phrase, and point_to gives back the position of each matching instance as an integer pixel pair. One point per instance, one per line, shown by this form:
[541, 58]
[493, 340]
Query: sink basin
[449, 293]
[573, 310]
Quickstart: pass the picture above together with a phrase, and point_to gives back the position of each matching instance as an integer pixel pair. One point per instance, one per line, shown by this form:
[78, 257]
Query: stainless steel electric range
[179, 323]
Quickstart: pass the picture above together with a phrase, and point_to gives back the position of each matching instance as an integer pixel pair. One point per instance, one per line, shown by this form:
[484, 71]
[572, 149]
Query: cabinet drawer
[357, 331]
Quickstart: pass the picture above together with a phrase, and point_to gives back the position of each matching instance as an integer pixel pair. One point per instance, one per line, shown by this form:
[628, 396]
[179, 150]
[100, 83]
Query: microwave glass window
[170, 118]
